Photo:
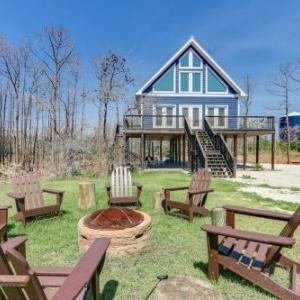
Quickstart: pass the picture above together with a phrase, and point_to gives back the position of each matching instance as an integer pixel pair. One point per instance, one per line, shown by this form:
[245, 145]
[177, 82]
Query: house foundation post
[244, 151]
[160, 150]
[183, 149]
[179, 149]
[273, 152]
[257, 150]
[142, 150]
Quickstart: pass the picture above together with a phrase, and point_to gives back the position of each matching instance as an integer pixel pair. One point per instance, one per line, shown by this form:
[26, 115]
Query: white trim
[190, 82]
[195, 94]
[190, 61]
[191, 106]
[164, 125]
[218, 77]
[174, 84]
[206, 56]
[218, 106]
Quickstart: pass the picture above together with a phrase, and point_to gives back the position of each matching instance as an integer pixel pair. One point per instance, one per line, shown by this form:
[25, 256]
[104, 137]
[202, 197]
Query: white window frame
[206, 82]
[174, 83]
[190, 107]
[218, 106]
[164, 119]
[190, 59]
[190, 82]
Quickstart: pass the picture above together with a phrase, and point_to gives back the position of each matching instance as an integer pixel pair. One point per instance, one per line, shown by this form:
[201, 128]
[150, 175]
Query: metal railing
[144, 122]
[221, 145]
[241, 122]
[198, 154]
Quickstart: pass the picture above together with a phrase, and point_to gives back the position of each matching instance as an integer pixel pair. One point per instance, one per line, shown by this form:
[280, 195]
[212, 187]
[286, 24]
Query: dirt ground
[281, 184]
[266, 158]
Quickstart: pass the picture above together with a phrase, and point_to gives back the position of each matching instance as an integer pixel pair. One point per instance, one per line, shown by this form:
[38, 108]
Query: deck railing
[198, 153]
[144, 122]
[241, 122]
[221, 145]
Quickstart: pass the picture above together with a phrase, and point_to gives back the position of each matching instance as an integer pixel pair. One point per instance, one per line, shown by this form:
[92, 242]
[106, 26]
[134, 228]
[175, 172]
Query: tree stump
[87, 195]
[157, 198]
[218, 216]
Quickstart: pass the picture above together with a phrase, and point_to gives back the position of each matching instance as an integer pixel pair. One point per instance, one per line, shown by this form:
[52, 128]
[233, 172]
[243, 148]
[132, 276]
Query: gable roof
[192, 42]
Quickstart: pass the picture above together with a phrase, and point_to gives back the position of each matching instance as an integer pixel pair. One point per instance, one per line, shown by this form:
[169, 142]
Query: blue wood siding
[149, 102]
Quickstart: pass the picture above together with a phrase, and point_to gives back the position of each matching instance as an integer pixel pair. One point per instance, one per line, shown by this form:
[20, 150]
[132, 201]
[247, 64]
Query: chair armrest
[14, 243]
[201, 192]
[83, 271]
[258, 213]
[176, 188]
[3, 207]
[249, 236]
[53, 191]
[16, 196]
[14, 280]
[138, 185]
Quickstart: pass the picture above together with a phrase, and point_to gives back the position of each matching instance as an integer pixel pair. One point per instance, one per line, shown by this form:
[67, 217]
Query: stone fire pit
[128, 229]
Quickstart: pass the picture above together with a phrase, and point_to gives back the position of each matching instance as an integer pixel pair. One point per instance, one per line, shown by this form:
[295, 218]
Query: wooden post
[273, 152]
[175, 150]
[179, 149]
[257, 149]
[160, 150]
[218, 216]
[235, 147]
[157, 198]
[142, 150]
[152, 150]
[87, 195]
[244, 151]
[184, 149]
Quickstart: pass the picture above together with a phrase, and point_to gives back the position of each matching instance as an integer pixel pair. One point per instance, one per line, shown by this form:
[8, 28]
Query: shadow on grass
[109, 290]
[230, 275]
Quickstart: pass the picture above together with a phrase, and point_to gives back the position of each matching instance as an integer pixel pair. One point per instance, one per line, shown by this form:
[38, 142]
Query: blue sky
[243, 36]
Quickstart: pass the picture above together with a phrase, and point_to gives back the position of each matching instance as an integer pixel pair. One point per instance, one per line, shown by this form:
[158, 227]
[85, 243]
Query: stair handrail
[198, 150]
[221, 145]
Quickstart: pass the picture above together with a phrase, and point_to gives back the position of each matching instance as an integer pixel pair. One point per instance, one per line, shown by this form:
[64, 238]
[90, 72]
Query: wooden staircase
[215, 160]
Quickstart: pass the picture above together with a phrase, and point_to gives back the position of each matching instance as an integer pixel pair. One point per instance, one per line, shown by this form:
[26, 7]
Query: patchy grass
[177, 247]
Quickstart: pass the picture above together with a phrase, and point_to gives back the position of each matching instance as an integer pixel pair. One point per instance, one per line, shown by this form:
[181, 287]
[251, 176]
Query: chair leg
[213, 265]
[191, 214]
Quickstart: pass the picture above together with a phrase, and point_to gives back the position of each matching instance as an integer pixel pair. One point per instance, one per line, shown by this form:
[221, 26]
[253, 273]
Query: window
[190, 60]
[169, 116]
[166, 82]
[214, 83]
[195, 117]
[190, 82]
[158, 119]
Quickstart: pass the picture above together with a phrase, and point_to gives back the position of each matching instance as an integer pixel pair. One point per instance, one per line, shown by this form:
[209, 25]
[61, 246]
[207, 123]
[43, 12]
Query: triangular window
[190, 60]
[166, 82]
[214, 84]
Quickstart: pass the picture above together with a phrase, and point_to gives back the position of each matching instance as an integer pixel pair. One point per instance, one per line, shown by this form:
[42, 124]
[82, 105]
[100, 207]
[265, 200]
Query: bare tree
[281, 87]
[249, 89]
[113, 77]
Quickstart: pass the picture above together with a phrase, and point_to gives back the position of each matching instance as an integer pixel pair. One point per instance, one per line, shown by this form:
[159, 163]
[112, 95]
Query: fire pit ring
[128, 237]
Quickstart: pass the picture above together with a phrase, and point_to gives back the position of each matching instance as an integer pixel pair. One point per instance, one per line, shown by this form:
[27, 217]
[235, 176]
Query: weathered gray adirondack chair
[119, 190]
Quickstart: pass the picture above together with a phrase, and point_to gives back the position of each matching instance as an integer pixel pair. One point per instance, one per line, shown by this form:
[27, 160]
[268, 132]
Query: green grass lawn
[177, 246]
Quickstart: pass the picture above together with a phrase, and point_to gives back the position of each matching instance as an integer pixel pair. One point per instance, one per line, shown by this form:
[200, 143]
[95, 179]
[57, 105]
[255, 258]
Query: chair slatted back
[287, 231]
[201, 181]
[121, 184]
[29, 185]
[14, 263]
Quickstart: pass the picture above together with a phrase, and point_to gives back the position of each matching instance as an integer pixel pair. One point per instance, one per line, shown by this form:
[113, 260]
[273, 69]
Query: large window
[190, 73]
[190, 82]
[214, 83]
[166, 82]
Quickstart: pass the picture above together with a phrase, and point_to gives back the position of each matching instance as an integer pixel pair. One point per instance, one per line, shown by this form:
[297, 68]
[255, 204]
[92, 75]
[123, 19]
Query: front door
[164, 117]
[217, 116]
[193, 113]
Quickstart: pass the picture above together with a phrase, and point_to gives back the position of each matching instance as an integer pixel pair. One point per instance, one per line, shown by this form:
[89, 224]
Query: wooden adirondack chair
[119, 190]
[196, 196]
[19, 281]
[252, 255]
[3, 222]
[28, 195]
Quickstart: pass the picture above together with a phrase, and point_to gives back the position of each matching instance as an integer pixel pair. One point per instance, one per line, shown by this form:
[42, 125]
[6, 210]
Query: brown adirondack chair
[196, 197]
[119, 190]
[19, 281]
[28, 195]
[253, 255]
[3, 222]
